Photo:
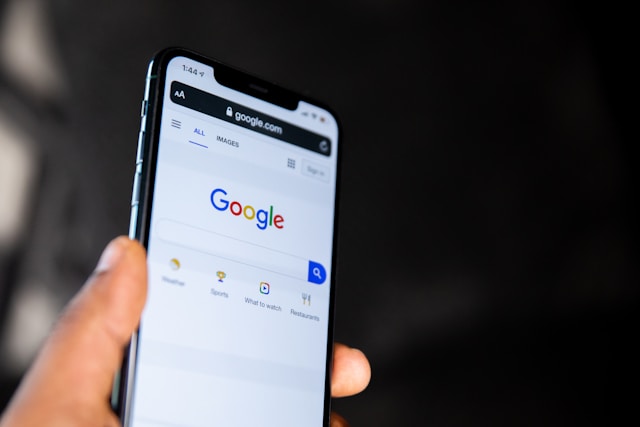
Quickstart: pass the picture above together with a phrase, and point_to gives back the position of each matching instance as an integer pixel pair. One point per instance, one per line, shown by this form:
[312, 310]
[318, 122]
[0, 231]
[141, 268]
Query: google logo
[262, 217]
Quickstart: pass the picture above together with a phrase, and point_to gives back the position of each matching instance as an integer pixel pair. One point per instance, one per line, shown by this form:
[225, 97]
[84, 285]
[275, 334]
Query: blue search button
[317, 273]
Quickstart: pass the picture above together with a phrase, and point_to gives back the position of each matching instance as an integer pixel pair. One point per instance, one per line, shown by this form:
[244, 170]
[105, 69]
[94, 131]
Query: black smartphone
[235, 199]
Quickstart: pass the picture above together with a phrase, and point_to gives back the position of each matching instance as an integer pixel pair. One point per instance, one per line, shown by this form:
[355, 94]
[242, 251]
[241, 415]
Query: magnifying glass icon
[317, 273]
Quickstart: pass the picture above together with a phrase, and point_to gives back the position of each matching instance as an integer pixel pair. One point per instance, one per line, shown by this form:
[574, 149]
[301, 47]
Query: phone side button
[133, 220]
[143, 108]
[140, 151]
[135, 196]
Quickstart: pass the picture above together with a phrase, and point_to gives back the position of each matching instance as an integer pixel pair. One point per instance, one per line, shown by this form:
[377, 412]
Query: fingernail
[111, 255]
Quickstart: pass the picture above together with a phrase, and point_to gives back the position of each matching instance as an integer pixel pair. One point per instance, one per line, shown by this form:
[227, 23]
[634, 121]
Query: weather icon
[174, 264]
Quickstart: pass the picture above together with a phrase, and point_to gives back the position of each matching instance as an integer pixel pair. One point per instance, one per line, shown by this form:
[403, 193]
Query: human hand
[70, 381]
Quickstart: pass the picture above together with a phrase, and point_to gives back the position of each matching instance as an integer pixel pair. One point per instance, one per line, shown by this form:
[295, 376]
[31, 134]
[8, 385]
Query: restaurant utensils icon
[306, 299]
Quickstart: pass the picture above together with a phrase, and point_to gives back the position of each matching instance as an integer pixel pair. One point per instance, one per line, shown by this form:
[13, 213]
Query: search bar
[240, 251]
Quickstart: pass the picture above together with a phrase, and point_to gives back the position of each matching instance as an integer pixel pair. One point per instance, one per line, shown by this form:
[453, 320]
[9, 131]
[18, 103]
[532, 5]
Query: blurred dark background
[488, 253]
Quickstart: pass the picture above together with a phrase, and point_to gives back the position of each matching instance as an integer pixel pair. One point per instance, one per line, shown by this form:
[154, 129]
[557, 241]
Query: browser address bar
[232, 249]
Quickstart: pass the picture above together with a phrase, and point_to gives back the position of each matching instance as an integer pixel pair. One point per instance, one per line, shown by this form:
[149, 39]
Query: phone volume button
[135, 196]
[143, 108]
[140, 152]
[133, 220]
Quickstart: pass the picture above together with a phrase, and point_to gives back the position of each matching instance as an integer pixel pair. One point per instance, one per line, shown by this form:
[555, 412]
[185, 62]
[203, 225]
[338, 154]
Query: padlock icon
[229, 112]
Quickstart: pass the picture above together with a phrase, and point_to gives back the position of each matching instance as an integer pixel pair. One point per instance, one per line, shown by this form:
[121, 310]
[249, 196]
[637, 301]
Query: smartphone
[235, 199]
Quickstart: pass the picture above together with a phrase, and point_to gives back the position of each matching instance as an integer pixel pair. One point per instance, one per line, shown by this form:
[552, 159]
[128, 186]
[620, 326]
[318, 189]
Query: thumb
[71, 378]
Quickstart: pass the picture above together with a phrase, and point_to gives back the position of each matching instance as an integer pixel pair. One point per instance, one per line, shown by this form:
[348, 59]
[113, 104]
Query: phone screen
[239, 222]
